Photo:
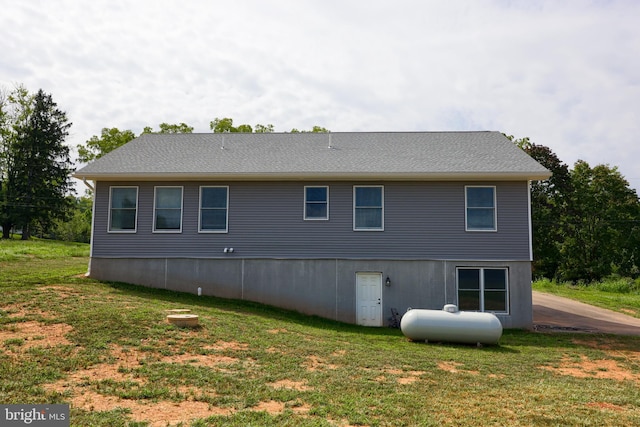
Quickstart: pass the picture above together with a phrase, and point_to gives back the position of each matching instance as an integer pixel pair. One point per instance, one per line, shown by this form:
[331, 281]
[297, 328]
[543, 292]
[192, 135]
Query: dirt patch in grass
[615, 350]
[587, 368]
[454, 368]
[273, 407]
[315, 363]
[410, 377]
[400, 376]
[22, 311]
[36, 334]
[208, 361]
[290, 385]
[119, 366]
[158, 414]
[61, 290]
[605, 406]
[227, 345]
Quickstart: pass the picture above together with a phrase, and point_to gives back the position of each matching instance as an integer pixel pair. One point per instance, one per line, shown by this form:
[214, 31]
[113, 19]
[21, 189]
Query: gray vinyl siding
[423, 220]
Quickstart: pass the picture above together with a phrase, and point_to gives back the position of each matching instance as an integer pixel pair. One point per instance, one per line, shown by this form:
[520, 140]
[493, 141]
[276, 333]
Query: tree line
[112, 138]
[585, 220]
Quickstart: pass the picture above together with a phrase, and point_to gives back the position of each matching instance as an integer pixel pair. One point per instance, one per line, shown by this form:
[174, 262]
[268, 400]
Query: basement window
[483, 289]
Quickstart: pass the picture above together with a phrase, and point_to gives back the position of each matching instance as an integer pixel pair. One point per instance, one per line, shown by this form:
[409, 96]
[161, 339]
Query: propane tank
[451, 325]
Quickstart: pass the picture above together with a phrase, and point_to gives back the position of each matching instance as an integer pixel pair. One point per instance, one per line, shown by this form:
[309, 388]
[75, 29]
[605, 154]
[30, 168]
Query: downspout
[93, 218]
[530, 222]
[93, 190]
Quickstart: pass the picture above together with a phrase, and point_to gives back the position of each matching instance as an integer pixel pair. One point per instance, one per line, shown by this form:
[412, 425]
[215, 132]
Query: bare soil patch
[227, 345]
[158, 414]
[587, 368]
[605, 405]
[119, 366]
[315, 363]
[36, 334]
[454, 368]
[291, 385]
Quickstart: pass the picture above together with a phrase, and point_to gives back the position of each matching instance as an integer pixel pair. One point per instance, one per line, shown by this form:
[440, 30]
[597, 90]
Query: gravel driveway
[551, 312]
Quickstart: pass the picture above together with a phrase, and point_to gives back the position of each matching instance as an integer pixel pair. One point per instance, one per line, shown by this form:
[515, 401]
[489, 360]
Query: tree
[109, 140]
[170, 128]
[15, 110]
[549, 201]
[77, 228]
[602, 226]
[225, 124]
[315, 129]
[4, 152]
[586, 221]
[38, 178]
[263, 128]
[112, 138]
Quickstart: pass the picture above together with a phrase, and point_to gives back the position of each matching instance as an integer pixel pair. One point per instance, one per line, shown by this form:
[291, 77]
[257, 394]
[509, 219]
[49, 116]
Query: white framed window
[483, 289]
[368, 208]
[167, 209]
[480, 208]
[316, 202]
[214, 208]
[123, 209]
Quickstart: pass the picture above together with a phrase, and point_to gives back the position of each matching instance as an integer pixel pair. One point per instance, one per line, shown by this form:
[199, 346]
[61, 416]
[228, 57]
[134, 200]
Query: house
[345, 226]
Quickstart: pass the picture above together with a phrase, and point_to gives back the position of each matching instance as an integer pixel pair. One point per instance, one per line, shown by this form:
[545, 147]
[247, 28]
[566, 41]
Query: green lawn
[606, 294]
[107, 350]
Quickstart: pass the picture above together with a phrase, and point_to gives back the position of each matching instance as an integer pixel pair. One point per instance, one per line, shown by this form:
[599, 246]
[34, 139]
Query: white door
[369, 299]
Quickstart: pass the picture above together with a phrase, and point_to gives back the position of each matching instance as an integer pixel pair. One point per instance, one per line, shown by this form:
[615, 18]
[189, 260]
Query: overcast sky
[564, 73]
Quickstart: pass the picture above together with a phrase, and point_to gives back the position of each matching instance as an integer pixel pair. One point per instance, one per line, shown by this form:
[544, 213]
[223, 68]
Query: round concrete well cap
[183, 320]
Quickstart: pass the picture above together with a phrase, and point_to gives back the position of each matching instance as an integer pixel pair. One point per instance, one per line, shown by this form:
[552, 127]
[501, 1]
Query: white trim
[482, 289]
[304, 207]
[226, 225]
[495, 210]
[93, 221]
[155, 208]
[135, 224]
[315, 176]
[381, 228]
[530, 221]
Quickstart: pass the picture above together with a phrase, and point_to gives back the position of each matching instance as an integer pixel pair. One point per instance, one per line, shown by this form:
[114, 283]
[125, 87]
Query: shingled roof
[326, 156]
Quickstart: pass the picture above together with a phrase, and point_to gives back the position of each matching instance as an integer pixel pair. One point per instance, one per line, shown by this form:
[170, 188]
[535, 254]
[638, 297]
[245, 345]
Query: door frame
[375, 319]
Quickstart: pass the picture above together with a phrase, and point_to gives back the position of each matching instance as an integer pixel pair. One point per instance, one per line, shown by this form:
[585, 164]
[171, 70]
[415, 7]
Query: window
[123, 209]
[483, 289]
[368, 211]
[168, 209]
[213, 209]
[480, 208]
[316, 203]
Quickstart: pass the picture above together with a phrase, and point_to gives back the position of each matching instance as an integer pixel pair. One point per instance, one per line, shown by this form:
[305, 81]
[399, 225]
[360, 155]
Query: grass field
[107, 350]
[622, 295]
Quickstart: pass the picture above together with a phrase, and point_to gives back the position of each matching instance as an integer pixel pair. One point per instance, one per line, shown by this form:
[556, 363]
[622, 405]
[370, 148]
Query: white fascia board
[324, 176]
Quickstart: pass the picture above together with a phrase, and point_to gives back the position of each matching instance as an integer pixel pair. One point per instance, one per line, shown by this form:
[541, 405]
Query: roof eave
[320, 176]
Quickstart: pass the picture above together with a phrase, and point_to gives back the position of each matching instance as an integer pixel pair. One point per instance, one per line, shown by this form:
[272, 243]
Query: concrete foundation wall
[322, 287]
